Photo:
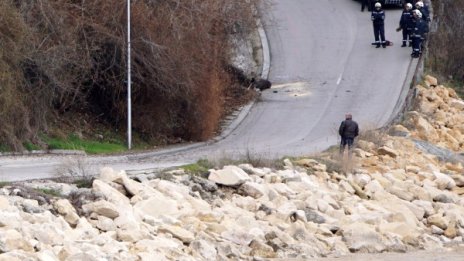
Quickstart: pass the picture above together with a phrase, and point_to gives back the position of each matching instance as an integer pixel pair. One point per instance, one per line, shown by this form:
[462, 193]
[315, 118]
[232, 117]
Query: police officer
[417, 34]
[378, 20]
[406, 24]
[424, 10]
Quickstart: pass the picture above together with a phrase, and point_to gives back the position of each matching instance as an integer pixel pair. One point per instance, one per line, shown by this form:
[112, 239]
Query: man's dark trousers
[346, 142]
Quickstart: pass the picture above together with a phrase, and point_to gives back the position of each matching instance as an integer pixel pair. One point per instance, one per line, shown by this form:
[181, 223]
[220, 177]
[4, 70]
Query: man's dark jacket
[348, 129]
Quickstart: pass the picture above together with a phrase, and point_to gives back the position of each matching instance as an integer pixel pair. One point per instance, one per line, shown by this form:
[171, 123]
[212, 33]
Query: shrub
[77, 170]
[62, 56]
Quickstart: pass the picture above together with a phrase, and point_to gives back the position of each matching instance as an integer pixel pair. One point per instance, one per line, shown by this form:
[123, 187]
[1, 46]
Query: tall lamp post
[129, 109]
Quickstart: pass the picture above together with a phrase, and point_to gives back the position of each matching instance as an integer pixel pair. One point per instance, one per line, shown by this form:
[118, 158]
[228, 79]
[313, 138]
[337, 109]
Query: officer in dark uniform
[418, 34]
[378, 20]
[424, 10]
[406, 23]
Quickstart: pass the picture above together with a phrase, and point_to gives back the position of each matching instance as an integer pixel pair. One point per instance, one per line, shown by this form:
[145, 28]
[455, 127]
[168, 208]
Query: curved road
[322, 66]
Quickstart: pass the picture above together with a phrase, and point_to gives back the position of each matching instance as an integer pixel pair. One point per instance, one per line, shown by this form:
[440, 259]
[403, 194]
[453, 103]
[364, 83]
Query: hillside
[63, 67]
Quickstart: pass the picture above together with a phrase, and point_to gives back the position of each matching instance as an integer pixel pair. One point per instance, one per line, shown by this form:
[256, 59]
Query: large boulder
[64, 207]
[362, 237]
[229, 176]
[103, 208]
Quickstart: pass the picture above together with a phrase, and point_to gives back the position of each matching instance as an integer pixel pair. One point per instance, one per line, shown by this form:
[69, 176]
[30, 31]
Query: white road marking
[339, 79]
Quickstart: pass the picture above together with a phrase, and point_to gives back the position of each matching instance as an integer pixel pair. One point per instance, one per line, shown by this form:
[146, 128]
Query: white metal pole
[129, 109]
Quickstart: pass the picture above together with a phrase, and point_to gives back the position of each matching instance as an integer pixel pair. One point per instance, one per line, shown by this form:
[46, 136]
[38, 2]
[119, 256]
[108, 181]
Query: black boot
[377, 46]
[404, 44]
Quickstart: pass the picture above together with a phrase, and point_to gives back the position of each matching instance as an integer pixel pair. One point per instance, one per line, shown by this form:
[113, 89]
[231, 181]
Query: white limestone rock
[229, 176]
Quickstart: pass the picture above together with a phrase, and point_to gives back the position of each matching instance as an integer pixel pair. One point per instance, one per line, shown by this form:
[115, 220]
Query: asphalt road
[322, 66]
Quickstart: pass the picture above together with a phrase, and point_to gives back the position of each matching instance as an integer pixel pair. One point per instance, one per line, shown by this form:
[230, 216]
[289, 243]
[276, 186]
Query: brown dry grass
[62, 56]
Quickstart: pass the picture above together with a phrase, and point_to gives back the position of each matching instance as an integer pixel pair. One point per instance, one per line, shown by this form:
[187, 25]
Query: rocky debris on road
[397, 197]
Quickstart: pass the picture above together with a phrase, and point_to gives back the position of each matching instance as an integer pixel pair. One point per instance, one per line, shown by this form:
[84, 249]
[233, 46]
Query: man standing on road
[348, 131]
[378, 20]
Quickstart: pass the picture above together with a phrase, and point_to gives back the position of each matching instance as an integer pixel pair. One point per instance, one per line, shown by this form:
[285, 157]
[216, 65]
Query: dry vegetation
[62, 57]
[446, 56]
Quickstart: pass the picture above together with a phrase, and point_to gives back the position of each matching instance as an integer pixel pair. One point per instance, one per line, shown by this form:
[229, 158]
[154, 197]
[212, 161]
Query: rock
[301, 215]
[210, 216]
[229, 176]
[65, 208]
[252, 189]
[458, 190]
[438, 220]
[237, 237]
[313, 216]
[366, 145]
[401, 193]
[362, 180]
[205, 249]
[322, 205]
[436, 230]
[4, 203]
[347, 187]
[103, 208]
[361, 237]
[458, 168]
[361, 153]
[105, 224]
[183, 235]
[358, 190]
[399, 130]
[425, 130]
[48, 233]
[384, 150]
[443, 198]
[288, 164]
[129, 235]
[289, 175]
[412, 169]
[260, 249]
[108, 175]
[31, 206]
[430, 81]
[399, 228]
[308, 163]
[157, 206]
[260, 172]
[457, 104]
[109, 193]
[451, 231]
[443, 181]
[426, 206]
[11, 239]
